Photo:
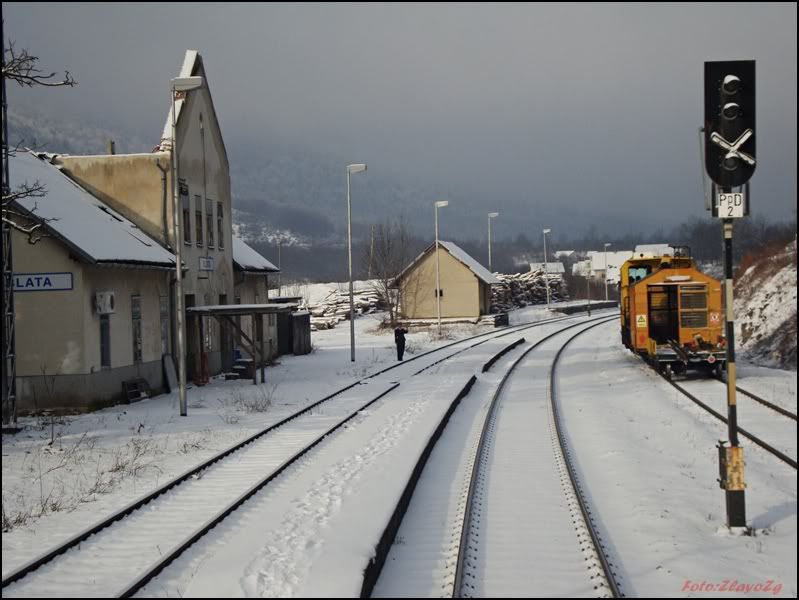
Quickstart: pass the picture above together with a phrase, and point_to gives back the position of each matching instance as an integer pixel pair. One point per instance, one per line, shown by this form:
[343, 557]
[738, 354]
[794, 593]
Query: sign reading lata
[42, 282]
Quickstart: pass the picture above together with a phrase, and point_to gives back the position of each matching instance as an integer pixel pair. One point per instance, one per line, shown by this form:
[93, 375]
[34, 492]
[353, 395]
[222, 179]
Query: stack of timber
[523, 289]
[335, 307]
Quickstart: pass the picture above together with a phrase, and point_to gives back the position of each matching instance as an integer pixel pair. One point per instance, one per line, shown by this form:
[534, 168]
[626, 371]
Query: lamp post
[490, 216]
[607, 270]
[439, 204]
[356, 168]
[546, 270]
[179, 84]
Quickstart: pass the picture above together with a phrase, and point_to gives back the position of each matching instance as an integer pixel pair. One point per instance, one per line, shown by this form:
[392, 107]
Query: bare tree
[21, 68]
[389, 253]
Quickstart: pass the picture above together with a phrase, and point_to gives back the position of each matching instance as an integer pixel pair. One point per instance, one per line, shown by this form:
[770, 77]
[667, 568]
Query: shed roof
[91, 229]
[248, 260]
[460, 255]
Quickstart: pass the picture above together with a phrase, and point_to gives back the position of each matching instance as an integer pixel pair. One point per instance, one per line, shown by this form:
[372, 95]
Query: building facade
[75, 350]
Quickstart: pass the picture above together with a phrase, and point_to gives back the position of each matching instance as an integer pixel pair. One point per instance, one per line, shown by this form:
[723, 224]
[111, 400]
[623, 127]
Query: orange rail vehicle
[672, 314]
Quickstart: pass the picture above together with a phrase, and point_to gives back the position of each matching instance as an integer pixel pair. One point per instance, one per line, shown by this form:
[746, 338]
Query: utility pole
[9, 349]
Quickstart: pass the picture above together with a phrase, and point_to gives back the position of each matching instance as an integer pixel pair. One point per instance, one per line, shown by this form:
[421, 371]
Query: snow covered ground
[634, 440]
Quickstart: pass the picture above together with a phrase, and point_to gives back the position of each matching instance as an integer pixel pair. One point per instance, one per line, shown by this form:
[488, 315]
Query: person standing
[399, 339]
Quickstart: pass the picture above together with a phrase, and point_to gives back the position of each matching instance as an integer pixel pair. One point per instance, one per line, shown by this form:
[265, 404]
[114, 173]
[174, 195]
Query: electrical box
[105, 303]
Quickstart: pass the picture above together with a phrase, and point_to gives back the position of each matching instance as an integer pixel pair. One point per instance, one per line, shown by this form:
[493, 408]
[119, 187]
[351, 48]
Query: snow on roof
[459, 254]
[247, 259]
[566, 253]
[615, 259]
[654, 250]
[552, 267]
[476, 267]
[93, 230]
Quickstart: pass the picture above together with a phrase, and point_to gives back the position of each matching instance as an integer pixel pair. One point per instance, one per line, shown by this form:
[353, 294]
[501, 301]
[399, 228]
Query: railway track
[502, 541]
[167, 518]
[693, 391]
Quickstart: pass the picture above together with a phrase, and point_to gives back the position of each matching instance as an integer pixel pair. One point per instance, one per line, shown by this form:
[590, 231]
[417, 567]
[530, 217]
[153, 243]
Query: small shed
[465, 288]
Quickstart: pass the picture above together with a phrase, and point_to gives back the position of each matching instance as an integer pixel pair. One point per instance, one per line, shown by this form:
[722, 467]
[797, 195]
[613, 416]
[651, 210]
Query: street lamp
[490, 216]
[546, 270]
[607, 270]
[357, 168]
[439, 204]
[179, 84]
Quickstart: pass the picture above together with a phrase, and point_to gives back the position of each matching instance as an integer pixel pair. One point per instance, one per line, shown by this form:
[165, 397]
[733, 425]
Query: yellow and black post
[732, 464]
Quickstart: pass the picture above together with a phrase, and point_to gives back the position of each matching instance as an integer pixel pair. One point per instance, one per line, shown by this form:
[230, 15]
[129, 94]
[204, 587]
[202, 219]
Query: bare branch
[34, 231]
[37, 190]
[21, 68]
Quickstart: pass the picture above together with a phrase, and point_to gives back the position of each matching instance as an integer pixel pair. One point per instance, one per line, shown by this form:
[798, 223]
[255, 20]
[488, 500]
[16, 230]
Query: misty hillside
[278, 191]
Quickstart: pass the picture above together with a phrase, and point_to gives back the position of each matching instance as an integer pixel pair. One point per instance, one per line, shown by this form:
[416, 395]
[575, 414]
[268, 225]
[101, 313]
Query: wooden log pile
[335, 307]
[523, 289]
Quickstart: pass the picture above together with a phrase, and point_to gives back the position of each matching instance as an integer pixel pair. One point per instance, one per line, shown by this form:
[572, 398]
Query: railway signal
[730, 162]
[730, 122]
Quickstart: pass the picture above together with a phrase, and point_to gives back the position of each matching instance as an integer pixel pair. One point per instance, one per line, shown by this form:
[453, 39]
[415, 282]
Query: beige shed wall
[461, 293]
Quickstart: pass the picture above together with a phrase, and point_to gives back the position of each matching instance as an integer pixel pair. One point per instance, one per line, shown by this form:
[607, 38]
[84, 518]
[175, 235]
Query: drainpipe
[163, 204]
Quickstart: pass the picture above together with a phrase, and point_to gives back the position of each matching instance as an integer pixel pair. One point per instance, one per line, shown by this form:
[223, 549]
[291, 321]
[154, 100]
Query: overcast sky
[568, 110]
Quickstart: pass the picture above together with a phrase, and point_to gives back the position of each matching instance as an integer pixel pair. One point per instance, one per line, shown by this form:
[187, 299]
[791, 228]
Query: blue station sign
[42, 282]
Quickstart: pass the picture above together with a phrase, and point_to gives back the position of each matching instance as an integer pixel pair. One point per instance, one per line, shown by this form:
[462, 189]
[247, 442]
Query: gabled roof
[192, 65]
[91, 229]
[248, 260]
[459, 254]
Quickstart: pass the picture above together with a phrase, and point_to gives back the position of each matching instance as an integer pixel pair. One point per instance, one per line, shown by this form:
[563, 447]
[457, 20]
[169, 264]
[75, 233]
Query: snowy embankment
[765, 310]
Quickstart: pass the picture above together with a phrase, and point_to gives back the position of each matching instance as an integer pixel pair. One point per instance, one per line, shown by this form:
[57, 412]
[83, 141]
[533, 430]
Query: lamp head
[357, 168]
[547, 230]
[185, 84]
[492, 215]
[442, 203]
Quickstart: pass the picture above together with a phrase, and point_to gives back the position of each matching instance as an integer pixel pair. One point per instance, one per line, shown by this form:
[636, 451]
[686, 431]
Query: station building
[94, 298]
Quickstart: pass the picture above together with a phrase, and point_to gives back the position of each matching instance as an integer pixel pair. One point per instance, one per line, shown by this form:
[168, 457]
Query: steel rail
[610, 576]
[767, 447]
[460, 566]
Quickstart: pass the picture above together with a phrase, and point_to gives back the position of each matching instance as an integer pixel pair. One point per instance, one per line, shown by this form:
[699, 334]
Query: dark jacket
[399, 335]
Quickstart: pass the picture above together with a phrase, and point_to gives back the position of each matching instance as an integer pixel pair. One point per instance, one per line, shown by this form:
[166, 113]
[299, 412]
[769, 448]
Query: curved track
[208, 493]
[518, 528]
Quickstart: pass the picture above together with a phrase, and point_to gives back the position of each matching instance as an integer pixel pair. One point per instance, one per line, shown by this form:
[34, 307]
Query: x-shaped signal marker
[733, 148]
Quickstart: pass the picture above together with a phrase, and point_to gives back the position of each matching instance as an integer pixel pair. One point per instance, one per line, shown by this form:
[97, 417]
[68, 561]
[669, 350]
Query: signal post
[730, 162]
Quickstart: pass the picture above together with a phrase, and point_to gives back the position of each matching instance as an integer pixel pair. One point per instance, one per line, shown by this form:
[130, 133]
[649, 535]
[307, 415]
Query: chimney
[111, 147]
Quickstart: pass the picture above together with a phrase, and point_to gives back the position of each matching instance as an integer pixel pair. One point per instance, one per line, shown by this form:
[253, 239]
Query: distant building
[465, 285]
[552, 268]
[612, 270]
[653, 250]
